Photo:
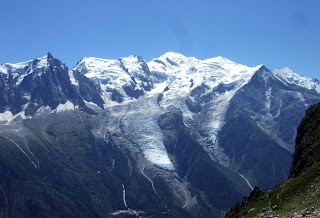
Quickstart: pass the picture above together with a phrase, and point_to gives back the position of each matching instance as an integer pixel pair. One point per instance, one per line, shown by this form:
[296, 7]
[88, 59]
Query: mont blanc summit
[175, 136]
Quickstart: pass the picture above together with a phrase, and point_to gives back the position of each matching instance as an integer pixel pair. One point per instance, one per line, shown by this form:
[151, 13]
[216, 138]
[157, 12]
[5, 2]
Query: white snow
[132, 64]
[170, 62]
[107, 71]
[189, 73]
[135, 69]
[268, 98]
[43, 109]
[289, 76]
[72, 78]
[128, 210]
[111, 75]
[64, 107]
[138, 117]
[124, 196]
[7, 67]
[43, 62]
[139, 120]
[300, 96]
[7, 117]
[25, 68]
[3, 69]
[90, 104]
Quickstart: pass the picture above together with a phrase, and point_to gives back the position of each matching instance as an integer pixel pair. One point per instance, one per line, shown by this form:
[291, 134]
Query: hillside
[175, 136]
[300, 194]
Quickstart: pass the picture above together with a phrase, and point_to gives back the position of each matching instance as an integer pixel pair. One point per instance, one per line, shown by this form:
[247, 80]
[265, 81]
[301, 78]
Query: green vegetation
[307, 151]
[301, 192]
[291, 196]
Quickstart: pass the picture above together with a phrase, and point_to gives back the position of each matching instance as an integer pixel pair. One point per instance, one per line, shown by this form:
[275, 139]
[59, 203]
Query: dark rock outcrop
[307, 151]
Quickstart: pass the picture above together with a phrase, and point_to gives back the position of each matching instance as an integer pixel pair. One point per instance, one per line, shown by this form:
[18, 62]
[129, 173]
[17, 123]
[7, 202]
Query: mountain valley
[172, 137]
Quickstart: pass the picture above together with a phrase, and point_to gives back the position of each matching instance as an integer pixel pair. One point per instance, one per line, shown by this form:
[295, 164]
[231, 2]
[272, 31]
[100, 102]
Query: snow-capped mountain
[201, 89]
[218, 78]
[166, 123]
[121, 79]
[20, 70]
[44, 83]
[290, 77]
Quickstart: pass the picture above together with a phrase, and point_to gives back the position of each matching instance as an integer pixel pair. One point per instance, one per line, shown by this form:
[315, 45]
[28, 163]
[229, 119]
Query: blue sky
[251, 32]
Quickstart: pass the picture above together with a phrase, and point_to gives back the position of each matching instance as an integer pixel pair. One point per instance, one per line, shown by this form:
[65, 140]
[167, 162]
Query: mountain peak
[174, 56]
[219, 59]
[49, 56]
[36, 63]
[176, 59]
[263, 67]
[43, 61]
[132, 57]
[289, 76]
[284, 70]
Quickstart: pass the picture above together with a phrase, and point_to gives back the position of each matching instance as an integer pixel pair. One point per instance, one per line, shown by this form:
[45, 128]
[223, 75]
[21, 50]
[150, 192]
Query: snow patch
[91, 105]
[23, 69]
[268, 99]
[43, 62]
[64, 107]
[72, 78]
[132, 64]
[7, 117]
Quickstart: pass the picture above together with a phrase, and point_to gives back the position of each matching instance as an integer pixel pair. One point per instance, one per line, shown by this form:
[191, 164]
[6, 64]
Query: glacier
[139, 121]
[200, 89]
[137, 118]
[158, 123]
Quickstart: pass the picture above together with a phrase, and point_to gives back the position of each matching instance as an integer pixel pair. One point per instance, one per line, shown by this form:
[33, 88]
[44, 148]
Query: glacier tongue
[209, 84]
[138, 120]
[136, 92]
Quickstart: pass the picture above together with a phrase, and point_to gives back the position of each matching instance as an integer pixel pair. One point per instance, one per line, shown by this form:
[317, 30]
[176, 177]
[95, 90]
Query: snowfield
[137, 118]
[201, 89]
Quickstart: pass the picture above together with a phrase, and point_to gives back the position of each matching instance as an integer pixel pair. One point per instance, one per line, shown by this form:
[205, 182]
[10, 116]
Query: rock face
[195, 165]
[57, 167]
[27, 86]
[126, 77]
[307, 153]
[257, 114]
[175, 136]
[299, 195]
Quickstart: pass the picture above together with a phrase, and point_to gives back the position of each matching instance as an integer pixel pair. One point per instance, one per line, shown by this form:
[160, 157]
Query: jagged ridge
[128, 96]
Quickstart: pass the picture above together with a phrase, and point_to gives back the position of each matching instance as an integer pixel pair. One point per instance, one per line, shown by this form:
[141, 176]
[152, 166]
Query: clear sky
[276, 33]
